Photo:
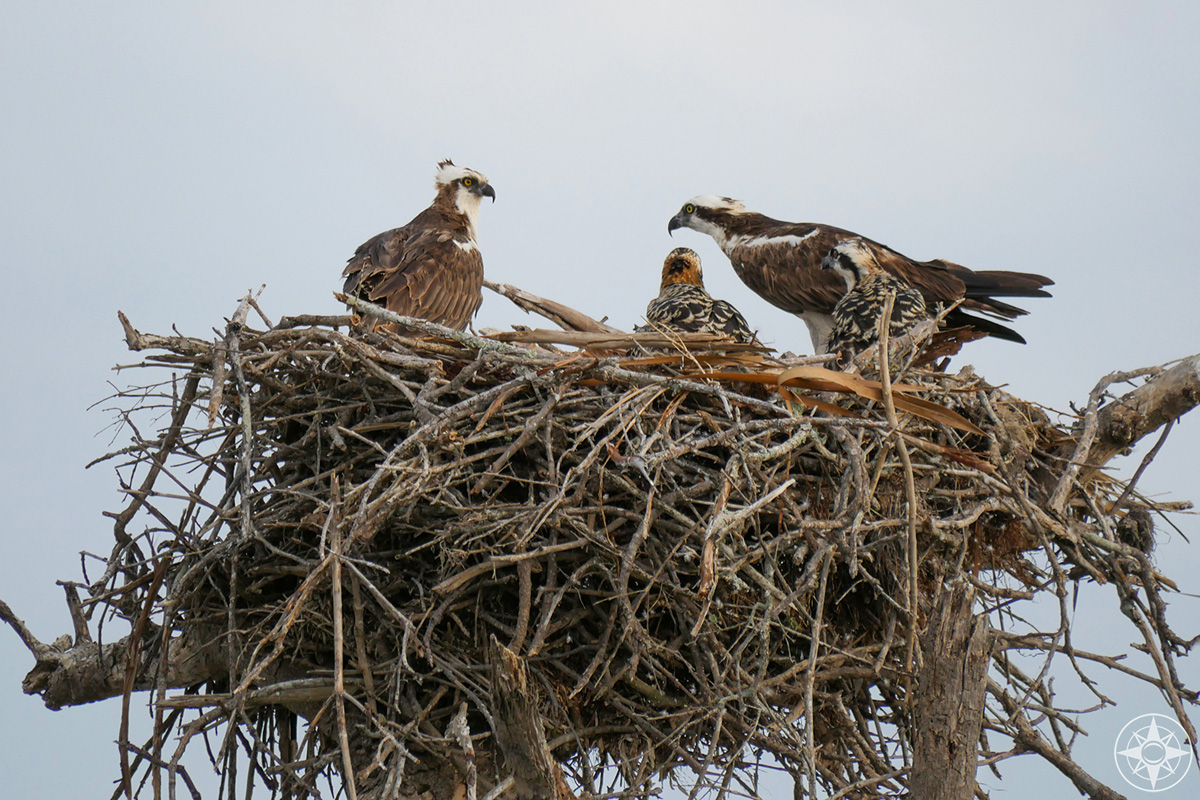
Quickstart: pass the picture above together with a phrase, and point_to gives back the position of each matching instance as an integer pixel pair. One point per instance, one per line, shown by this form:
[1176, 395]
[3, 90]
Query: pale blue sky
[163, 158]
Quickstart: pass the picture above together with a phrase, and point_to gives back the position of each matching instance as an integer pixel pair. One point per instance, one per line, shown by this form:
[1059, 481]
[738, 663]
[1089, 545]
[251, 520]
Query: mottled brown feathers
[857, 315]
[684, 305]
[430, 268]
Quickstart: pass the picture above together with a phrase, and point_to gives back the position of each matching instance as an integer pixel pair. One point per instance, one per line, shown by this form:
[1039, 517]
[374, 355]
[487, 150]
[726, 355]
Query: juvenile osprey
[856, 315]
[781, 262]
[430, 268]
[683, 304]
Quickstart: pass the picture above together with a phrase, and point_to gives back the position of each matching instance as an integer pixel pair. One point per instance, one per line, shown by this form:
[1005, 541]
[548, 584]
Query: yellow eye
[689, 209]
[468, 181]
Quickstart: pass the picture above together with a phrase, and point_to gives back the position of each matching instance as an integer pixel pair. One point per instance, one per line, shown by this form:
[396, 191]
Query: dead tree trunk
[949, 700]
[520, 732]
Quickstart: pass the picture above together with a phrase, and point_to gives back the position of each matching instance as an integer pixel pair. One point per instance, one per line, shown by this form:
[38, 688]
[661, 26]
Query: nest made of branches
[702, 555]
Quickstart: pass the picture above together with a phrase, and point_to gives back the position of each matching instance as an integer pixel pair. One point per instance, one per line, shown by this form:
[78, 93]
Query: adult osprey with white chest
[781, 262]
[430, 268]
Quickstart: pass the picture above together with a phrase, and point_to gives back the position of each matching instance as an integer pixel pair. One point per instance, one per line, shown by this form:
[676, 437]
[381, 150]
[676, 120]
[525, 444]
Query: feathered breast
[430, 269]
[856, 316]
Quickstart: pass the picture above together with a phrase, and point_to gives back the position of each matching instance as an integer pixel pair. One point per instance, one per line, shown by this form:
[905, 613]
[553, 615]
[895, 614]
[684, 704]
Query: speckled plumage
[684, 305]
[430, 268]
[857, 314]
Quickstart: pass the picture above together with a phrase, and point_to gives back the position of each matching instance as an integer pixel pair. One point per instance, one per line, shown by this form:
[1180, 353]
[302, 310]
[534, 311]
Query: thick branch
[1162, 399]
[71, 675]
[564, 316]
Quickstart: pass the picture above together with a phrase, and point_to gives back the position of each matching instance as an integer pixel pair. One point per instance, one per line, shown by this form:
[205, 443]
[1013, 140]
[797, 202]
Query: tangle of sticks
[432, 561]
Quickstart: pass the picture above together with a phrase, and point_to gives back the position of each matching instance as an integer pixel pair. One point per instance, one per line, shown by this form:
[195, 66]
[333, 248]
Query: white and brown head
[463, 188]
[709, 214]
[853, 260]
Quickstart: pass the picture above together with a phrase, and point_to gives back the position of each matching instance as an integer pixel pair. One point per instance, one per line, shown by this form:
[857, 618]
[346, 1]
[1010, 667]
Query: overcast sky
[162, 158]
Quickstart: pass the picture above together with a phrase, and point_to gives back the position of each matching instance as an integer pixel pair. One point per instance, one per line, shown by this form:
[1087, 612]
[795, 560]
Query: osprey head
[852, 259]
[706, 213]
[463, 187]
[682, 265]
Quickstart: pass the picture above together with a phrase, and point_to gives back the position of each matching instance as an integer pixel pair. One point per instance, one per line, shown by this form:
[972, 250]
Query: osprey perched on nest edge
[430, 268]
[781, 262]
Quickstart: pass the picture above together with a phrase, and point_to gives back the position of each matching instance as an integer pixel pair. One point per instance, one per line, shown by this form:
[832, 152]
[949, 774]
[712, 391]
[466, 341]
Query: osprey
[430, 268]
[781, 262]
[856, 315]
[683, 304]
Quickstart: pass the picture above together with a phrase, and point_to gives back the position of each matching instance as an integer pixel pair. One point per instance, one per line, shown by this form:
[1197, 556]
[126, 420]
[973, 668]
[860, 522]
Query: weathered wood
[1167, 396]
[520, 732]
[949, 700]
[69, 674]
[624, 341]
[564, 316]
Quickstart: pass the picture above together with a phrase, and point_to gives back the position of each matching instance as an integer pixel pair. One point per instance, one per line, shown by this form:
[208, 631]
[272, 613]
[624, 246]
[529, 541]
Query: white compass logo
[1152, 753]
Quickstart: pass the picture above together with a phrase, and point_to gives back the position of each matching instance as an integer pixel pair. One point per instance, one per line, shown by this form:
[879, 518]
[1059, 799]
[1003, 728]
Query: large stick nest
[695, 572]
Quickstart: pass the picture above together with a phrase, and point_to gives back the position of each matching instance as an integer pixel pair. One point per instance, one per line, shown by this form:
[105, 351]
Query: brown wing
[728, 320]
[434, 279]
[999, 282]
[373, 261]
[944, 282]
[934, 280]
[983, 287]
[785, 271]
[420, 270]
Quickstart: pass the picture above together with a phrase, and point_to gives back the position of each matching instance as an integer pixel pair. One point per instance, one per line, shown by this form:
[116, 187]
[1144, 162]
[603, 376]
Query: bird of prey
[430, 268]
[856, 315]
[684, 305]
[781, 262]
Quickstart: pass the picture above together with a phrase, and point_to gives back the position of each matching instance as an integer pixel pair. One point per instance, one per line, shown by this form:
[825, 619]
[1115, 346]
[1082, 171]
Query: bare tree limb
[564, 316]
[72, 675]
[17, 624]
[1028, 739]
[1164, 398]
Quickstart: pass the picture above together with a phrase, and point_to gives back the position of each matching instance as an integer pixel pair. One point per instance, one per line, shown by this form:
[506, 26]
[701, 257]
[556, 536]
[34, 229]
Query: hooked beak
[487, 191]
[674, 225]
